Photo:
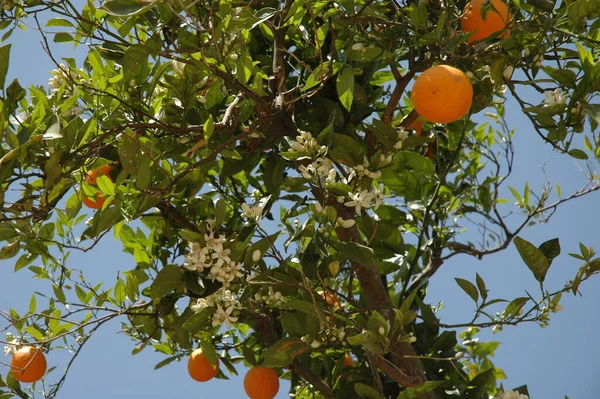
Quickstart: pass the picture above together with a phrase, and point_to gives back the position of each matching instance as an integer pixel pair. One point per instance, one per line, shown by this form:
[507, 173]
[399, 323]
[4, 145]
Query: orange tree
[258, 170]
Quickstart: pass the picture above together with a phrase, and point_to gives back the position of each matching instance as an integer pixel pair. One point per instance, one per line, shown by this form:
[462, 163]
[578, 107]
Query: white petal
[53, 132]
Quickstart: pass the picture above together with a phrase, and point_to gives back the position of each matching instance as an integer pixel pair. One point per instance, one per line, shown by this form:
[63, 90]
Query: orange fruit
[98, 200]
[442, 94]
[28, 364]
[200, 368]
[261, 383]
[496, 19]
[332, 299]
[348, 361]
[417, 126]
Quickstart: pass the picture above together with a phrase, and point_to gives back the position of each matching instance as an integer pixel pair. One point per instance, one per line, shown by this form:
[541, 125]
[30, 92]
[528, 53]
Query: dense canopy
[258, 161]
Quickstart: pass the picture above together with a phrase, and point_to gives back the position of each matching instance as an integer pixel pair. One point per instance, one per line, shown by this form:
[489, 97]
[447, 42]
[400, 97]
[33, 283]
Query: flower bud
[334, 268]
[508, 71]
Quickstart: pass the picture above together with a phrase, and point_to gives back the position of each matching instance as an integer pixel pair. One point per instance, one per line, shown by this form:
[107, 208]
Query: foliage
[276, 211]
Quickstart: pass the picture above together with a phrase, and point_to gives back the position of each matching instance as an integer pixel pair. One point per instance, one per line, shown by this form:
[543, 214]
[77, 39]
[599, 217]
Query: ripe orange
[98, 200]
[442, 94]
[348, 361]
[496, 19]
[332, 300]
[200, 368]
[261, 383]
[28, 364]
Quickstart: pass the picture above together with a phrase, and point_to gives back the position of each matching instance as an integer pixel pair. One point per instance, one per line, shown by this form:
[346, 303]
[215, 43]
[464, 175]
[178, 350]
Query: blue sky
[556, 361]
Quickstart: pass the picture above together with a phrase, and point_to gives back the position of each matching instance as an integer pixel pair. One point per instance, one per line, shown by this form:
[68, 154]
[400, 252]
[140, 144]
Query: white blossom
[198, 258]
[488, 74]
[62, 74]
[555, 97]
[226, 307]
[346, 223]
[272, 298]
[378, 197]
[331, 176]
[223, 316]
[385, 160]
[201, 303]
[402, 135]
[178, 67]
[320, 167]
[220, 255]
[305, 143]
[12, 344]
[508, 71]
[255, 212]
[360, 200]
[510, 395]
[215, 257]
[362, 170]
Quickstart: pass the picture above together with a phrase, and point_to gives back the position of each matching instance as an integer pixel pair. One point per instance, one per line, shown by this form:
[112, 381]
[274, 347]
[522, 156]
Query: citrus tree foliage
[276, 207]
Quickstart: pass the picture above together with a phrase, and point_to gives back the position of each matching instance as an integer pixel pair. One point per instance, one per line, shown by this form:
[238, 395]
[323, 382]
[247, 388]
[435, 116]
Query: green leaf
[135, 64]
[106, 185]
[263, 245]
[167, 280]
[550, 248]
[193, 282]
[469, 288]
[125, 8]
[59, 293]
[479, 384]
[25, 260]
[481, 286]
[35, 333]
[345, 87]
[534, 258]
[209, 127]
[32, 304]
[565, 77]
[514, 307]
[302, 306]
[59, 22]
[120, 291]
[62, 37]
[208, 349]
[322, 73]
[386, 134]
[376, 320]
[578, 154]
[220, 211]
[366, 391]
[419, 391]
[358, 253]
[165, 362]
[10, 250]
[294, 323]
[578, 11]
[283, 352]
[4, 58]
